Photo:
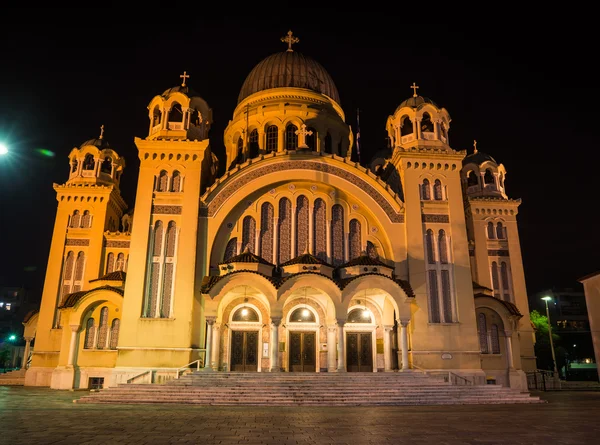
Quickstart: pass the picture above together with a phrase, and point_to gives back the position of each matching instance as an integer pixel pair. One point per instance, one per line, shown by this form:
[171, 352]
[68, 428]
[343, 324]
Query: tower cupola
[95, 162]
[418, 121]
[179, 113]
[482, 176]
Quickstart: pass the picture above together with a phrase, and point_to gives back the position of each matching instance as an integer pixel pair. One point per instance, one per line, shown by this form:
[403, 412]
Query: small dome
[289, 69]
[99, 142]
[180, 89]
[416, 102]
[478, 158]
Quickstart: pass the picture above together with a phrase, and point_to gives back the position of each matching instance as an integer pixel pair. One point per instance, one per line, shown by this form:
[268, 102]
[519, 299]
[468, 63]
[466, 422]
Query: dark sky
[528, 95]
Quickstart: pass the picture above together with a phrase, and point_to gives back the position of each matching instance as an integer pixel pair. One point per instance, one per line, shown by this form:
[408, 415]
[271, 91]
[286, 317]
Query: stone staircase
[13, 378]
[308, 389]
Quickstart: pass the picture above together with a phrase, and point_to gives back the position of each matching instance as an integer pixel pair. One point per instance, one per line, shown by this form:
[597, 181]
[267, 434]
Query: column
[387, 347]
[74, 329]
[331, 351]
[419, 132]
[207, 357]
[275, 322]
[280, 139]
[257, 240]
[293, 252]
[26, 354]
[341, 346]
[404, 341]
[328, 239]
[311, 228]
[216, 339]
[509, 350]
[275, 259]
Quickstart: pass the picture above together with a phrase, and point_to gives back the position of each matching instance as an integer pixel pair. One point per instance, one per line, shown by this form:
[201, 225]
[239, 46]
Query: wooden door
[244, 351]
[302, 352]
[359, 352]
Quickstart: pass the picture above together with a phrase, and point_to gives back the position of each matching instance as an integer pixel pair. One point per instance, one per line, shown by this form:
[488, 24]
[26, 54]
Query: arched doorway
[245, 334]
[360, 338]
[303, 337]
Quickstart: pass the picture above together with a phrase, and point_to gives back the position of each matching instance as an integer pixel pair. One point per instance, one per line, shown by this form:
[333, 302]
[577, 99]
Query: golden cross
[184, 76]
[414, 87]
[474, 146]
[290, 40]
[101, 131]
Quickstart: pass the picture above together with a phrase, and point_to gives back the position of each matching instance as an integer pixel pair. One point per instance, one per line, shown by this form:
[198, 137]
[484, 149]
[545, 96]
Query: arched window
[169, 278]
[75, 219]
[495, 339]
[89, 162]
[120, 265]
[155, 271]
[106, 166]
[240, 150]
[425, 190]
[490, 231]
[472, 179]
[291, 138]
[86, 219]
[110, 262]
[328, 143]
[68, 273]
[74, 164]
[505, 281]
[499, 231]
[437, 190]
[320, 229]
[90, 334]
[266, 231]
[156, 115]
[337, 235]
[488, 177]
[285, 230]
[272, 138]
[253, 143]
[231, 249]
[163, 181]
[176, 114]
[302, 315]
[103, 328]
[79, 266]
[248, 234]
[482, 332]
[245, 314]
[176, 182]
[114, 333]
[443, 247]
[311, 137]
[301, 224]
[495, 281]
[426, 124]
[355, 241]
[359, 315]
[429, 246]
[406, 126]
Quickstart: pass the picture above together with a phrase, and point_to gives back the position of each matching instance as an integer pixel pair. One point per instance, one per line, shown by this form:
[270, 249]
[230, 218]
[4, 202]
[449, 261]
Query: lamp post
[546, 299]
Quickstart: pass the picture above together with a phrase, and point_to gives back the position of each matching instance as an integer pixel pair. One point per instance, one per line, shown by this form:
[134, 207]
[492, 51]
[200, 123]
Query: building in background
[591, 290]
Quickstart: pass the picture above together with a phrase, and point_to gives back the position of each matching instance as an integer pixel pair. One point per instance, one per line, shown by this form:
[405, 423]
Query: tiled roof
[305, 258]
[210, 280]
[364, 260]
[71, 300]
[247, 257]
[117, 275]
[479, 286]
[30, 314]
[511, 307]
[405, 285]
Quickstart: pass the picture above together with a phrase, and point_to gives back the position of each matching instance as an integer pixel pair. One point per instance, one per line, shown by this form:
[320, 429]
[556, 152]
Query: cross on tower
[290, 40]
[184, 76]
[101, 131]
[474, 146]
[414, 87]
[302, 133]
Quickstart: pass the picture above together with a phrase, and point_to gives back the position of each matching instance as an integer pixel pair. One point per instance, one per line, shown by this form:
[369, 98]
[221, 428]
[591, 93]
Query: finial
[414, 87]
[290, 40]
[101, 131]
[184, 76]
[474, 146]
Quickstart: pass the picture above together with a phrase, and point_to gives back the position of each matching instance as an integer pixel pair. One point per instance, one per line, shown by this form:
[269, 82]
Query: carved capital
[388, 328]
[74, 327]
[341, 322]
[404, 322]
[211, 320]
[332, 329]
[276, 321]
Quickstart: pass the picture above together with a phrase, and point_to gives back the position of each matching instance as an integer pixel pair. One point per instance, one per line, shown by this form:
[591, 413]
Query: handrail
[186, 366]
[448, 378]
[450, 373]
[139, 375]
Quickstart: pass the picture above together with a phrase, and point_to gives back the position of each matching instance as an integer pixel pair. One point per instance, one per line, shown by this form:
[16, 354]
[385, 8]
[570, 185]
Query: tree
[543, 350]
[4, 357]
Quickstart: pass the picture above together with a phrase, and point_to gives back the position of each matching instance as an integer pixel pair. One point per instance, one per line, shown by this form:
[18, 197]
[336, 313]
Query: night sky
[529, 96]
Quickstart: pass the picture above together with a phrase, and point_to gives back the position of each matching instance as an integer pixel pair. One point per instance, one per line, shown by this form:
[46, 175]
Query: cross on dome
[184, 76]
[474, 146]
[414, 87]
[101, 131]
[290, 40]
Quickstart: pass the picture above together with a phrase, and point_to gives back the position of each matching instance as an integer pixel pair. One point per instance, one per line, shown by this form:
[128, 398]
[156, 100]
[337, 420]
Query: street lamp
[546, 299]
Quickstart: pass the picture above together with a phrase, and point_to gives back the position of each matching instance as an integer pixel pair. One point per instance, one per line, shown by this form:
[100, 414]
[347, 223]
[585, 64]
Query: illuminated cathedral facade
[295, 259]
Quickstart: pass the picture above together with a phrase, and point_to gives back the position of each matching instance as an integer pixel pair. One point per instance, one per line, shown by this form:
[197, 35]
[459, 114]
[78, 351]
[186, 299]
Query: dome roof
[478, 158]
[99, 142]
[180, 89]
[417, 101]
[289, 69]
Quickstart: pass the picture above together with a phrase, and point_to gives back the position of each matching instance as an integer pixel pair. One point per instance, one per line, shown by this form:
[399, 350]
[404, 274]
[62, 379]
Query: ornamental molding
[166, 210]
[119, 244]
[235, 184]
[77, 242]
[502, 252]
[432, 218]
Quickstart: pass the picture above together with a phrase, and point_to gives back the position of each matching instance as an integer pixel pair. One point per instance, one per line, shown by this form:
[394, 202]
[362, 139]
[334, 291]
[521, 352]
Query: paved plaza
[39, 416]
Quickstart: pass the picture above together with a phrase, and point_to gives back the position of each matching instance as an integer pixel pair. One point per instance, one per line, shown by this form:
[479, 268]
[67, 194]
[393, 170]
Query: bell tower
[176, 163]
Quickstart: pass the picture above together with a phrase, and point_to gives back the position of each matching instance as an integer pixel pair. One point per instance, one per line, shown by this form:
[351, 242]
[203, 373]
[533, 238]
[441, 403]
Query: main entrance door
[302, 352]
[244, 351]
[359, 352]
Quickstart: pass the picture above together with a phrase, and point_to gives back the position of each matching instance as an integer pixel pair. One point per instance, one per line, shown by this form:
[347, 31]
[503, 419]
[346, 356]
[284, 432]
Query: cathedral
[287, 255]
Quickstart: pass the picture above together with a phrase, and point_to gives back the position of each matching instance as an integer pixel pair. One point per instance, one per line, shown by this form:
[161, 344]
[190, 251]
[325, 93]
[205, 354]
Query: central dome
[289, 69]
